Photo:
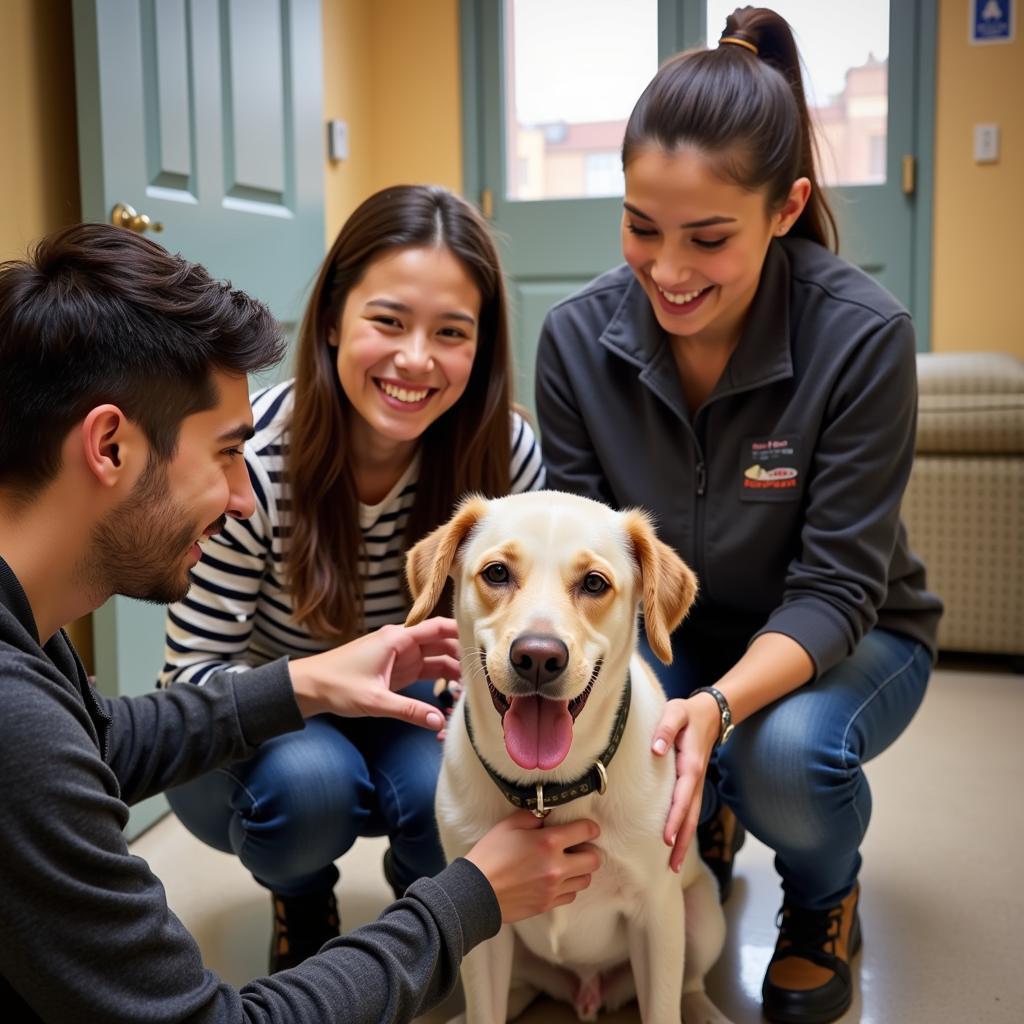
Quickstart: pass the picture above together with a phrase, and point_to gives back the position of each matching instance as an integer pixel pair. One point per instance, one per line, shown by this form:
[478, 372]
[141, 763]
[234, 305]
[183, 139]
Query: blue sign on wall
[992, 21]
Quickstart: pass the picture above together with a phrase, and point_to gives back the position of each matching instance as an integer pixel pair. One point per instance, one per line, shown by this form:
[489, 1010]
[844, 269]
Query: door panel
[531, 299]
[255, 148]
[168, 108]
[206, 115]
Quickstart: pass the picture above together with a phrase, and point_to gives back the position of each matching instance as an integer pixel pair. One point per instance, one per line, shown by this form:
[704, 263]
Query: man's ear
[429, 562]
[112, 445]
[669, 585]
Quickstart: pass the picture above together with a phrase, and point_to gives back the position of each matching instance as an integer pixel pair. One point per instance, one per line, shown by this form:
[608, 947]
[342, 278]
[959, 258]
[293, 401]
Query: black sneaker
[718, 839]
[302, 924]
[808, 979]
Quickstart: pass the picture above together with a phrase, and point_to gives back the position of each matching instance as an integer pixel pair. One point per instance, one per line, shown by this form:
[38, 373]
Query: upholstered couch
[964, 506]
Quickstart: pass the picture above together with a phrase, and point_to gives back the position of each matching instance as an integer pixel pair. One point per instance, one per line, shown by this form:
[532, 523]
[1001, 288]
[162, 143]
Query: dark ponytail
[743, 104]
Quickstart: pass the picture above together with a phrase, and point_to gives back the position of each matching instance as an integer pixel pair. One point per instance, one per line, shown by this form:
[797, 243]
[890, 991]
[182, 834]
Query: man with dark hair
[123, 411]
[108, 316]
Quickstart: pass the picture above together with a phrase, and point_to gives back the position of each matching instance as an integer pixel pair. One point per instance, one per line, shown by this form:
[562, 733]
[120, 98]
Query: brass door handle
[124, 216]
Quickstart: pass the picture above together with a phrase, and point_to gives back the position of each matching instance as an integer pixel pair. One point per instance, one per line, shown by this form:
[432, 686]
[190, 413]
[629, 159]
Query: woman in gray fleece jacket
[758, 395]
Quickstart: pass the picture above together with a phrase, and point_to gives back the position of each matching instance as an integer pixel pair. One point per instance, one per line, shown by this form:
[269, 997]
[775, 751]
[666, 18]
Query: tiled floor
[943, 878]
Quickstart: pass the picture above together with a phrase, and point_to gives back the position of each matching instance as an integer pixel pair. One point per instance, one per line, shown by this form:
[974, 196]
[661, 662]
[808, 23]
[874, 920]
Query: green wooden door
[204, 115]
[559, 227]
[550, 246]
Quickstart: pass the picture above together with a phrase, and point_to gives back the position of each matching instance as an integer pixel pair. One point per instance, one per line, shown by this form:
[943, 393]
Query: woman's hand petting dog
[358, 678]
[533, 867]
[690, 726]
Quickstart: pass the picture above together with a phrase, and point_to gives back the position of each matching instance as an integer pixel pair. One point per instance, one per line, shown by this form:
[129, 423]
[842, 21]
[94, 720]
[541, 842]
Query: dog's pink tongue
[538, 732]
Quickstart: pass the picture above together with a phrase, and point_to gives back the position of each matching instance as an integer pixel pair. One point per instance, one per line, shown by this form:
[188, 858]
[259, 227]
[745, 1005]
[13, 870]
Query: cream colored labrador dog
[558, 715]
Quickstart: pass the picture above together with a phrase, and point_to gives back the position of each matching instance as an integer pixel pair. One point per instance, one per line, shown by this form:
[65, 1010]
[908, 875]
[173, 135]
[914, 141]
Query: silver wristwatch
[726, 728]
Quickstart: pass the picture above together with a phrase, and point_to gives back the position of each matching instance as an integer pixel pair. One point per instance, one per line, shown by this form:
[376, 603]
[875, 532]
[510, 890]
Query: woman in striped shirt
[401, 402]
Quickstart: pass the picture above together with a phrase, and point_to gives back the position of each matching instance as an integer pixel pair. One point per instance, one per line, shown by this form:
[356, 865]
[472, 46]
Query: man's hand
[690, 726]
[533, 867]
[359, 678]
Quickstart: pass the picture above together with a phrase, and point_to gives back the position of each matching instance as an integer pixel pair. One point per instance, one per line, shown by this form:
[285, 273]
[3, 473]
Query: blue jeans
[299, 803]
[793, 773]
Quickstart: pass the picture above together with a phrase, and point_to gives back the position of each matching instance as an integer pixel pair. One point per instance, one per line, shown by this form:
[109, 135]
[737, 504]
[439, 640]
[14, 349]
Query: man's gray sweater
[85, 930]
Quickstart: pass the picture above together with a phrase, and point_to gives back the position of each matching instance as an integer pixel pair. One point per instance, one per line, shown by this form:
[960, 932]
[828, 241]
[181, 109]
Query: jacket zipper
[700, 471]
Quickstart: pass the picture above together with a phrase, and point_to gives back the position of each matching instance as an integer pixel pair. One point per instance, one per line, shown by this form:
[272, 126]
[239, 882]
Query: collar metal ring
[540, 811]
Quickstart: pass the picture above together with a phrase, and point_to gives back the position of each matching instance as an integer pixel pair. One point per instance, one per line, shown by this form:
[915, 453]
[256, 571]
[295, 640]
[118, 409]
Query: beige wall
[979, 208]
[391, 70]
[417, 120]
[38, 143]
[347, 96]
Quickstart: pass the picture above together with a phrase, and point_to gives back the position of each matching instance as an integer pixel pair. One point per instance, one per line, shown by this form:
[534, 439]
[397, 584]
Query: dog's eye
[594, 583]
[496, 573]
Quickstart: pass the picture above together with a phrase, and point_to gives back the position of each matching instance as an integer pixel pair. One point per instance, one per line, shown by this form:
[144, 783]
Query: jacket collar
[13, 597]
[58, 649]
[762, 356]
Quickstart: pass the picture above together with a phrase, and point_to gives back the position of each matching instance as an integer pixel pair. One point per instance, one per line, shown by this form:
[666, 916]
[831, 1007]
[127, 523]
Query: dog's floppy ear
[430, 560]
[669, 585]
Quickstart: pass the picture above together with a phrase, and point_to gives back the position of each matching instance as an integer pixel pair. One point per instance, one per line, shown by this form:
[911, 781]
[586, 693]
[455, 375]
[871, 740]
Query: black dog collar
[541, 798]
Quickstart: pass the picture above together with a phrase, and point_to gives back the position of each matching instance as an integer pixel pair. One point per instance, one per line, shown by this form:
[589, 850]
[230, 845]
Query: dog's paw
[461, 1019]
[589, 998]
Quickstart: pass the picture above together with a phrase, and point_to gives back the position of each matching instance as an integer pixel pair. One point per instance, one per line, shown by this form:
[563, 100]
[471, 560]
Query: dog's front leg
[657, 945]
[487, 977]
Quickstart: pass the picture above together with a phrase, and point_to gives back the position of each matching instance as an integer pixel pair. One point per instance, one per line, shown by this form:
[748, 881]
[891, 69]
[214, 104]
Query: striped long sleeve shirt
[238, 613]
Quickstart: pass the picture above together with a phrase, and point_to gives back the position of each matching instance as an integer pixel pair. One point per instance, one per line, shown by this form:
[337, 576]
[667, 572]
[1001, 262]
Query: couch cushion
[963, 516]
[970, 402]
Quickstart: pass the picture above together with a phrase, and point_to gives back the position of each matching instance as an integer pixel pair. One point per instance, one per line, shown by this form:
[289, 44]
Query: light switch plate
[337, 140]
[986, 143]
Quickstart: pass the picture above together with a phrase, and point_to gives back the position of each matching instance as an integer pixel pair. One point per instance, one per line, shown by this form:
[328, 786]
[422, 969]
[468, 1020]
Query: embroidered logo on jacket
[758, 476]
[770, 464]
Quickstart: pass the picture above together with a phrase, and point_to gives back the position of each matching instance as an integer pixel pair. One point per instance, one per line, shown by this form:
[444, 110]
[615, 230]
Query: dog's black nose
[538, 659]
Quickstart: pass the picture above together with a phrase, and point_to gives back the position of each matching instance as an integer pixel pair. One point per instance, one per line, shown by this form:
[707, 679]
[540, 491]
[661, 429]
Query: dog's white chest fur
[591, 933]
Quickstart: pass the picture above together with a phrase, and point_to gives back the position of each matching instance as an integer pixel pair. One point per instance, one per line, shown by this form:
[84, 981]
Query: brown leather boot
[808, 979]
[301, 926]
[718, 839]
